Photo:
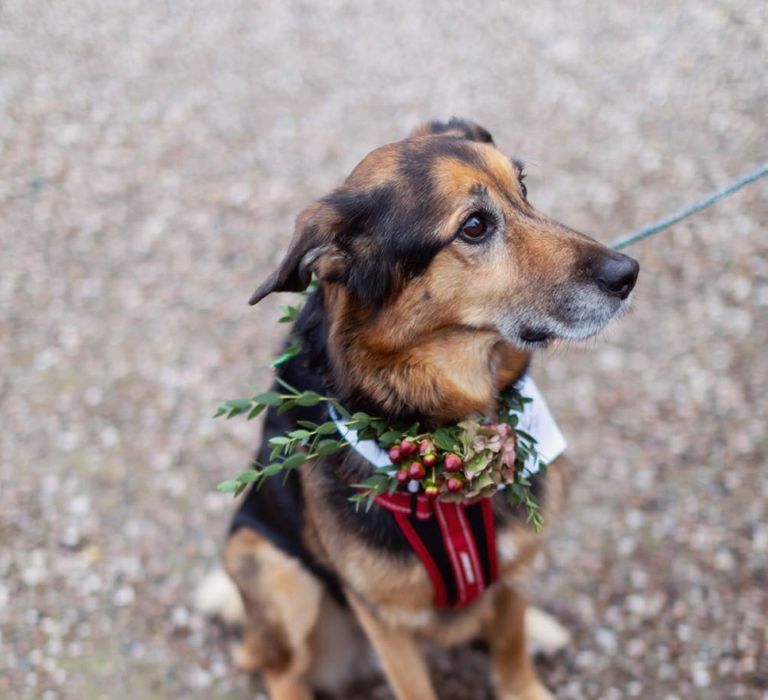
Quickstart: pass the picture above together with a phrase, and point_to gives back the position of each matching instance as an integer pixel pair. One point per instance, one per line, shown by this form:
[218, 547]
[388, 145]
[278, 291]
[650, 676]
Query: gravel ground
[152, 157]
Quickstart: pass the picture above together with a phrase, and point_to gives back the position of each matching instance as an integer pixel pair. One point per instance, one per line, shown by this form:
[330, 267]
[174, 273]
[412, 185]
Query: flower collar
[535, 419]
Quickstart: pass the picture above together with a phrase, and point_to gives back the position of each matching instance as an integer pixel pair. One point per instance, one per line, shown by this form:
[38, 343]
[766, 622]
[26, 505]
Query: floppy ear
[312, 249]
[455, 127]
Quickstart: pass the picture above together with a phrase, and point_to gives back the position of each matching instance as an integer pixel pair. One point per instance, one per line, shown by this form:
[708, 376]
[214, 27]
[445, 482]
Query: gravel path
[152, 157]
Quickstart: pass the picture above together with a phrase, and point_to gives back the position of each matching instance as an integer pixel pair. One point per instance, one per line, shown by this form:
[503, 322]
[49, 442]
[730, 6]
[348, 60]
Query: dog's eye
[522, 186]
[475, 227]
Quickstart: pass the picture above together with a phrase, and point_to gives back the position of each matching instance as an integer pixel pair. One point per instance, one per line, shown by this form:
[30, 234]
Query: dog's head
[433, 236]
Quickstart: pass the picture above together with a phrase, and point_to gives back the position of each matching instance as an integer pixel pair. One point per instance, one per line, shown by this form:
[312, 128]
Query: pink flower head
[508, 454]
[479, 443]
[494, 443]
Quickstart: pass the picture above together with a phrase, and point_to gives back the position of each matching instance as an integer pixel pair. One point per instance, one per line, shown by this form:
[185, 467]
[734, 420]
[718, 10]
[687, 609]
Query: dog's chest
[383, 570]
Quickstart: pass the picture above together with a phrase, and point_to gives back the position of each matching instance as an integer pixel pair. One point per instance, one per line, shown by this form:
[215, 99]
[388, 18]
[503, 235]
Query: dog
[436, 279]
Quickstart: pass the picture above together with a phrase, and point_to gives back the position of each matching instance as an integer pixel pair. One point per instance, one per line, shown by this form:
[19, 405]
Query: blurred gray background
[152, 158]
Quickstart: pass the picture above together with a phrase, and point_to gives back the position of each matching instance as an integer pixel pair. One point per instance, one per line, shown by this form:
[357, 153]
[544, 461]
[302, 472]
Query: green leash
[691, 209]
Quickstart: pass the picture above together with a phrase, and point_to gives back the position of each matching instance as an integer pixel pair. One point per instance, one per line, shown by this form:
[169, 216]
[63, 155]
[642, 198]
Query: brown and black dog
[437, 279]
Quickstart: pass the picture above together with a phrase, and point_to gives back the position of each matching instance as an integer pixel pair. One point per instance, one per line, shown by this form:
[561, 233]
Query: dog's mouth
[579, 314]
[535, 336]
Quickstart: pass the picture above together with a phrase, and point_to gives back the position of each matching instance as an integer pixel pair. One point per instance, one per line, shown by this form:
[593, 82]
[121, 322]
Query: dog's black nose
[616, 274]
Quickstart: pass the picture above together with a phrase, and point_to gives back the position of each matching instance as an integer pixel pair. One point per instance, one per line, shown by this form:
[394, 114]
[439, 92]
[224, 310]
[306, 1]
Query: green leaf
[249, 476]
[279, 441]
[287, 355]
[359, 420]
[445, 440]
[374, 482]
[536, 519]
[268, 398]
[343, 412]
[482, 481]
[240, 488]
[517, 491]
[286, 385]
[255, 411]
[367, 433]
[390, 438]
[308, 398]
[477, 464]
[328, 447]
[285, 407]
[308, 424]
[241, 404]
[290, 313]
[379, 425]
[272, 469]
[234, 407]
[299, 435]
[327, 428]
[295, 460]
[227, 486]
[526, 436]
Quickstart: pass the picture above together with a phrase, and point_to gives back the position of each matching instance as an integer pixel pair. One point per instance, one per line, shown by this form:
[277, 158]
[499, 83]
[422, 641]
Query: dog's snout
[616, 274]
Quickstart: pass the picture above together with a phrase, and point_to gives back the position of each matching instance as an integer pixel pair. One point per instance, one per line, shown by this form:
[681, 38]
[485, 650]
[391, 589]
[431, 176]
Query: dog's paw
[544, 633]
[217, 596]
[243, 658]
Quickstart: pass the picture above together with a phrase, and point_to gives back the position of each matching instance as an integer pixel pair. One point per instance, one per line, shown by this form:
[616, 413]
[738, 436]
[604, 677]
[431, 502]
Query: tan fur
[513, 673]
[378, 168]
[277, 635]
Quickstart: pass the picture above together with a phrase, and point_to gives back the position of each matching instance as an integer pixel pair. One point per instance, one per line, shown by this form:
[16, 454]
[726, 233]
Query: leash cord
[706, 201]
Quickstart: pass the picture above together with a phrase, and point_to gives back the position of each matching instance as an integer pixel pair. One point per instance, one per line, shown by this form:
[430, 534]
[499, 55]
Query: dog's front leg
[283, 687]
[400, 654]
[513, 671]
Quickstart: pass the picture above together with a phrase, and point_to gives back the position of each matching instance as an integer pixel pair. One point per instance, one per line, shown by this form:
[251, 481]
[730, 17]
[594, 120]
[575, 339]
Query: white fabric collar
[536, 420]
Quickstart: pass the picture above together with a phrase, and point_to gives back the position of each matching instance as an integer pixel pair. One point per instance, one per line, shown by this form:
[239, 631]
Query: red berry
[407, 447]
[452, 463]
[426, 446]
[395, 454]
[429, 459]
[416, 471]
[402, 476]
[453, 484]
[431, 490]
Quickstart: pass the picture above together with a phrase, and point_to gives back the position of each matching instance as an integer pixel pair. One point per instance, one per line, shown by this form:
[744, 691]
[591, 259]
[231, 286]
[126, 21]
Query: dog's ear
[312, 250]
[455, 127]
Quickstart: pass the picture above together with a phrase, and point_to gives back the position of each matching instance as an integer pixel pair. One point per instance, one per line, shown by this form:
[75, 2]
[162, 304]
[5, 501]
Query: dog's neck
[441, 375]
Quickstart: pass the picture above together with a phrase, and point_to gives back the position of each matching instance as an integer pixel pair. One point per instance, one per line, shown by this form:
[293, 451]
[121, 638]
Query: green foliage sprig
[457, 462]
[309, 441]
[290, 314]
